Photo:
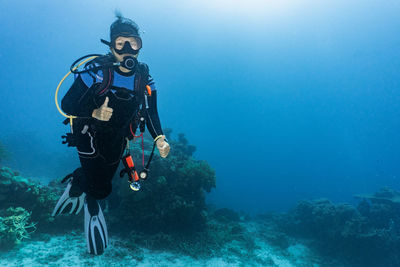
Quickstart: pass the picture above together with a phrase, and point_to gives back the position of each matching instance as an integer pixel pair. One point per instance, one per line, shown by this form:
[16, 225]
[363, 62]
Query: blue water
[286, 101]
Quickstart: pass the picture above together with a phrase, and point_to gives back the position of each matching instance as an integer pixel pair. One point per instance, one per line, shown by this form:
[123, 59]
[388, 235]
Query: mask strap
[106, 42]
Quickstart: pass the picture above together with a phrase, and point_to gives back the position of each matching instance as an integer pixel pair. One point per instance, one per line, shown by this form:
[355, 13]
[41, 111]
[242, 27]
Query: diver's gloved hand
[104, 112]
[163, 146]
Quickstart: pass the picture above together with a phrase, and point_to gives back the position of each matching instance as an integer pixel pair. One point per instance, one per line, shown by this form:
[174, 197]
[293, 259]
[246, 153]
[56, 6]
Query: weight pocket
[87, 144]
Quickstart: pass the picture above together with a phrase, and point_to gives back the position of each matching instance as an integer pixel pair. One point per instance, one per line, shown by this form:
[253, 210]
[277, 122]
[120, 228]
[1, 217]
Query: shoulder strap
[108, 74]
[108, 77]
[142, 79]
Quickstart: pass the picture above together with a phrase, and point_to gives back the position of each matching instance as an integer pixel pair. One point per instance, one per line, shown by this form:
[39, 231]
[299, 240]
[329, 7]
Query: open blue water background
[286, 100]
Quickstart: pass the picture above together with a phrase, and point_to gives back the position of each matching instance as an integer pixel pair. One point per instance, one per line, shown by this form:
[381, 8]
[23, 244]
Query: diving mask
[128, 47]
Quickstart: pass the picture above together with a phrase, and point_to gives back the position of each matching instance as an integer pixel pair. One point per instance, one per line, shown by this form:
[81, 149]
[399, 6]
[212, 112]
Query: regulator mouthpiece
[129, 62]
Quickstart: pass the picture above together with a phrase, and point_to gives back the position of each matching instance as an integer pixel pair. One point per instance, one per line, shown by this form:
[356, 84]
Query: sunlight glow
[256, 9]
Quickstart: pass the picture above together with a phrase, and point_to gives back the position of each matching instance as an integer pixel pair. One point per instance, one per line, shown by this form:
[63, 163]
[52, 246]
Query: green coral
[197, 174]
[172, 199]
[32, 196]
[15, 226]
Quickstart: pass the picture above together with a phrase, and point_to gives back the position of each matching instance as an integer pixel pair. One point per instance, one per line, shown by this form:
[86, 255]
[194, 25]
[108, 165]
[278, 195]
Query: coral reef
[14, 226]
[170, 205]
[171, 200]
[385, 195]
[25, 193]
[368, 235]
[216, 239]
[39, 200]
[169, 213]
[270, 230]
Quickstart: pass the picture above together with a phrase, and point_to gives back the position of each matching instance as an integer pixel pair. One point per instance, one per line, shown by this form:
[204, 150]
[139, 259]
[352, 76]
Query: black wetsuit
[100, 144]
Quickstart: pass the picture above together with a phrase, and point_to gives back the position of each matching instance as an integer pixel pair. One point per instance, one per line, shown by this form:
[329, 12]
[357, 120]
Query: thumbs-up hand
[104, 112]
[163, 146]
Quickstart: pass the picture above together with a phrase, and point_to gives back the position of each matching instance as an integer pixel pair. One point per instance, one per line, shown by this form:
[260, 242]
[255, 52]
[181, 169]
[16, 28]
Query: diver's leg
[95, 227]
[73, 197]
[97, 185]
[99, 154]
[98, 176]
[98, 173]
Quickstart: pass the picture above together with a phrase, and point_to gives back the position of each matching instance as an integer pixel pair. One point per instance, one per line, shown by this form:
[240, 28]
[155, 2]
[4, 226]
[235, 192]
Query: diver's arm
[154, 125]
[78, 101]
[151, 113]
[152, 119]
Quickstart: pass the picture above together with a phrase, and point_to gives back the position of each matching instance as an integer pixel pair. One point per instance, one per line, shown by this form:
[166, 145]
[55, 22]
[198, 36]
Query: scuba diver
[110, 98]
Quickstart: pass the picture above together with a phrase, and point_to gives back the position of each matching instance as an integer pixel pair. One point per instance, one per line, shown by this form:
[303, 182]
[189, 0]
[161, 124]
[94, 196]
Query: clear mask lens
[134, 42]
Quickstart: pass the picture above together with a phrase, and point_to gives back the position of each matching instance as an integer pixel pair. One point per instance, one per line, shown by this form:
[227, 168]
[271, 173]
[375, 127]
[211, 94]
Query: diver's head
[123, 27]
[125, 41]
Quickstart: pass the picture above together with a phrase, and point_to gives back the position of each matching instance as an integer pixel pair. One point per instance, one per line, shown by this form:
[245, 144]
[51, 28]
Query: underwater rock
[320, 219]
[381, 209]
[385, 195]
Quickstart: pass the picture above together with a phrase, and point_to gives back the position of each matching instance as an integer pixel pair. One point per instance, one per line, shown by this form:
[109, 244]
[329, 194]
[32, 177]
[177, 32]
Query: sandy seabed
[70, 250]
